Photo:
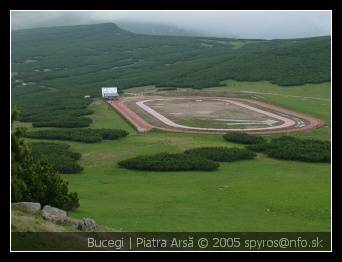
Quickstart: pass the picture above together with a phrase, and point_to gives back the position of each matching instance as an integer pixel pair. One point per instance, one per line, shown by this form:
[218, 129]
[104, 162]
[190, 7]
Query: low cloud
[243, 24]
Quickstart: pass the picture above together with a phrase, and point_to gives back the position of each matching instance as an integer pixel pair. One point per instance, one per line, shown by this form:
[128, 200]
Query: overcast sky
[243, 24]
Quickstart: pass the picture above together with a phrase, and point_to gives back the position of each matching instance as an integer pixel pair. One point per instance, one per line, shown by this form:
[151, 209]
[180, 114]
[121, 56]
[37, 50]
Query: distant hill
[131, 59]
[71, 61]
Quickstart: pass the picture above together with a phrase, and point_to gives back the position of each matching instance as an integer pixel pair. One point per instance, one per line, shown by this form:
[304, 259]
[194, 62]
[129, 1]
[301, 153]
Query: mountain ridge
[122, 29]
[59, 66]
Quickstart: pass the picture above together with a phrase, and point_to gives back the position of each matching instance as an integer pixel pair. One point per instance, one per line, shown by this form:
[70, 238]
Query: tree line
[291, 148]
[77, 67]
[33, 180]
[169, 162]
[284, 147]
[203, 158]
[86, 135]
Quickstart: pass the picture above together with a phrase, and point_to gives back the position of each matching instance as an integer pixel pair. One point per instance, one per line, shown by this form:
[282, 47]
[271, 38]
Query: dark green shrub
[222, 154]
[291, 148]
[258, 147]
[112, 134]
[169, 162]
[58, 155]
[243, 138]
[69, 123]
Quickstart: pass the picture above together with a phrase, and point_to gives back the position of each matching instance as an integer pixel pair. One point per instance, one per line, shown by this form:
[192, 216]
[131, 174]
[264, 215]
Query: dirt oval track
[143, 125]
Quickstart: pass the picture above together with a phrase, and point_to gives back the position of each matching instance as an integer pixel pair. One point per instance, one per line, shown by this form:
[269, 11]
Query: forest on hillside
[53, 68]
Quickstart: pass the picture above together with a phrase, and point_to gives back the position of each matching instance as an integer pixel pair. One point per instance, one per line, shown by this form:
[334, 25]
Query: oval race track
[289, 121]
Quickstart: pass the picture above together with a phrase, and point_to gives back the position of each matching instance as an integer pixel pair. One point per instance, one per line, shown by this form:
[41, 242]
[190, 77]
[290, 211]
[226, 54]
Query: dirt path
[140, 124]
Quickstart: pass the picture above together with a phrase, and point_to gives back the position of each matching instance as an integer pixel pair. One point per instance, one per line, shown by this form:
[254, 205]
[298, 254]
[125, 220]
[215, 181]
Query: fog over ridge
[238, 24]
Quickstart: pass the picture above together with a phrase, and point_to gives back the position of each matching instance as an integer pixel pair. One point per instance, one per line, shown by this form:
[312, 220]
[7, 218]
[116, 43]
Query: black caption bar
[171, 241]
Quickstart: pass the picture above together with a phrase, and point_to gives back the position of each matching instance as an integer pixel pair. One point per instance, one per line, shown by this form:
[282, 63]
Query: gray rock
[86, 224]
[26, 206]
[54, 215]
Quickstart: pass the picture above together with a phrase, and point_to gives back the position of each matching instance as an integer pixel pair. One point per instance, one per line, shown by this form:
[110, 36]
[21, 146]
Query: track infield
[214, 115]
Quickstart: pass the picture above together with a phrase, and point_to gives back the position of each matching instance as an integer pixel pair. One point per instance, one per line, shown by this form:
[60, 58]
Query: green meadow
[252, 195]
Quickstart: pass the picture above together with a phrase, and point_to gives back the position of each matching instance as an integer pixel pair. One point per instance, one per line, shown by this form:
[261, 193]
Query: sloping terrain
[57, 66]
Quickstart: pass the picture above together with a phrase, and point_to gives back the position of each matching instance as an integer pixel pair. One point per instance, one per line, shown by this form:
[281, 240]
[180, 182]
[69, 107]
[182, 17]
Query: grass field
[254, 195]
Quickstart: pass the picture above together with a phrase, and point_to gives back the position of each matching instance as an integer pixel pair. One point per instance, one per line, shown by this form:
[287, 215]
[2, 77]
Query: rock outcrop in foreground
[56, 216]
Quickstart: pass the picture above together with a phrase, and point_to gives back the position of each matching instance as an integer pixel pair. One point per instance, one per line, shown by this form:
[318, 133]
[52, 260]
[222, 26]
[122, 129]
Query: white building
[110, 93]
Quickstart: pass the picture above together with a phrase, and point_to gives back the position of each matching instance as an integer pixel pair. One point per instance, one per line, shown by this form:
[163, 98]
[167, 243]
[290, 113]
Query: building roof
[109, 91]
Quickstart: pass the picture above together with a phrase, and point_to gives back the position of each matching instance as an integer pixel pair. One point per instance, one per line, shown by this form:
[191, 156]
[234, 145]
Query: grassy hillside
[58, 66]
[55, 67]
[253, 195]
[74, 54]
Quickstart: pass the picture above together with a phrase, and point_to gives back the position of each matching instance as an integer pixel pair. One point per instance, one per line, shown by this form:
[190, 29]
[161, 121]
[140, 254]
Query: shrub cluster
[86, 135]
[222, 154]
[243, 138]
[169, 162]
[291, 148]
[58, 155]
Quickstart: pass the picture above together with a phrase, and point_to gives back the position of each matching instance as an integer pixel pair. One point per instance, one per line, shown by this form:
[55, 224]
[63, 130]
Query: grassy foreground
[68, 237]
[253, 195]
